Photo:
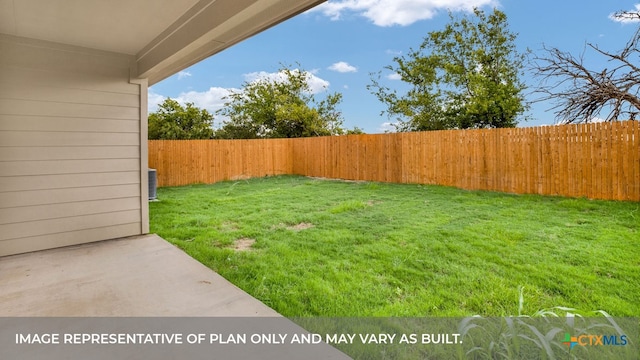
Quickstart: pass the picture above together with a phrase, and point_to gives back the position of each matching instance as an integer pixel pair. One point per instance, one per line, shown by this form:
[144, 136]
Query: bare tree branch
[581, 94]
[626, 15]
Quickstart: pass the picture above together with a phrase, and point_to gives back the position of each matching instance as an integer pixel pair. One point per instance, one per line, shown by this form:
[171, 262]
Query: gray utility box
[153, 184]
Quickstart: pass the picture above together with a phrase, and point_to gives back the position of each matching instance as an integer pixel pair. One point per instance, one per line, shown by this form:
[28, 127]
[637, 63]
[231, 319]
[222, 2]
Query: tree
[465, 76]
[355, 131]
[172, 121]
[581, 94]
[282, 107]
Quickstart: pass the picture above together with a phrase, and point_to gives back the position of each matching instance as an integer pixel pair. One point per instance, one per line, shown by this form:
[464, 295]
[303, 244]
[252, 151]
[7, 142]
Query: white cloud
[394, 76]
[153, 100]
[263, 75]
[343, 67]
[183, 74]
[396, 12]
[386, 127]
[316, 83]
[633, 16]
[393, 52]
[212, 99]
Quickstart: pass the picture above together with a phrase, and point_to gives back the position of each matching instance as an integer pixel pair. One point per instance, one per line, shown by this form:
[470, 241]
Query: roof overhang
[165, 36]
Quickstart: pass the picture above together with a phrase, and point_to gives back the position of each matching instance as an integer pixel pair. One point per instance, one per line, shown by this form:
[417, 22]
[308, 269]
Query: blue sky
[342, 42]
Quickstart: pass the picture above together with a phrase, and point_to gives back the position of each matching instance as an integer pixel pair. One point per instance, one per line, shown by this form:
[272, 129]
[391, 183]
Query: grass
[332, 248]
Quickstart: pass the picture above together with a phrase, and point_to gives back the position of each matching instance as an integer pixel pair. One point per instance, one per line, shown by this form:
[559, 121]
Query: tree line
[283, 107]
[465, 76]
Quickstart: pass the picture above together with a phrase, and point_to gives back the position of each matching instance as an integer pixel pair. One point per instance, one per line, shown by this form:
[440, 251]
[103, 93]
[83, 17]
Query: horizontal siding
[69, 146]
[48, 124]
[34, 153]
[53, 167]
[65, 181]
[54, 196]
[15, 75]
[62, 138]
[67, 110]
[65, 210]
[35, 243]
[22, 91]
[61, 225]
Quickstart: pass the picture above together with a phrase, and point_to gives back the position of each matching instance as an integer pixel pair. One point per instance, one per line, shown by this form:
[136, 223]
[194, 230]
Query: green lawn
[309, 247]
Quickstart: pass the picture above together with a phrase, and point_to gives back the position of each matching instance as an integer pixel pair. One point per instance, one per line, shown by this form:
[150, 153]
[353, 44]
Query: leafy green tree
[355, 131]
[465, 76]
[283, 107]
[172, 121]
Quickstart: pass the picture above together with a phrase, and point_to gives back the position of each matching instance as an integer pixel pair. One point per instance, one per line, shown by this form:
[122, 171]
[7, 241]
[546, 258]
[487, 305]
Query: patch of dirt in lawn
[243, 244]
[240, 177]
[229, 226]
[339, 180]
[301, 226]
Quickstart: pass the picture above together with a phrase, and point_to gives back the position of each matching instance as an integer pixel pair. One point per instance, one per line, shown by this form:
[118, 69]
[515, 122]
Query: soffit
[122, 26]
[165, 36]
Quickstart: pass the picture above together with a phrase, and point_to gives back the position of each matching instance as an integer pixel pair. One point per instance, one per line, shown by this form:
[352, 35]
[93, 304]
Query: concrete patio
[133, 285]
[136, 276]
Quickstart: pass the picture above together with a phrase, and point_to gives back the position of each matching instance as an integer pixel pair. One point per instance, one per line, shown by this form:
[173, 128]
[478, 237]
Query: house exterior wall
[72, 131]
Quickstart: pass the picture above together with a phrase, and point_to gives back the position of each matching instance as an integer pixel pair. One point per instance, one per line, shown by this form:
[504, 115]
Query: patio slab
[137, 276]
[134, 285]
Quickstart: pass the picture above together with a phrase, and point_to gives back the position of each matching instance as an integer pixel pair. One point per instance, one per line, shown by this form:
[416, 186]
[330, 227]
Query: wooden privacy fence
[184, 162]
[599, 161]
